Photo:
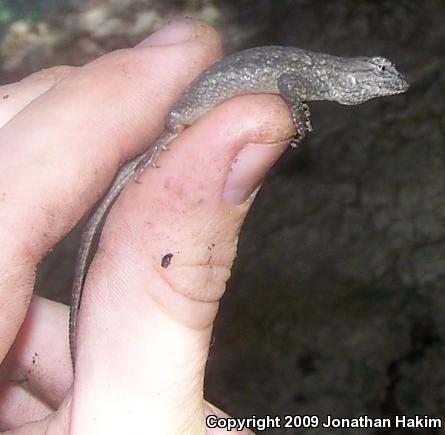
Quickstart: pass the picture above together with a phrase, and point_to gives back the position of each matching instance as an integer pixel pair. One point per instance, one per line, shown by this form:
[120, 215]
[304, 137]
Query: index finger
[60, 152]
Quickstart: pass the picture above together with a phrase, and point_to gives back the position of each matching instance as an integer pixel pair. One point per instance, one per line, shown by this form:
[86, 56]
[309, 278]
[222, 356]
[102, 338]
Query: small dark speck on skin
[5, 96]
[165, 262]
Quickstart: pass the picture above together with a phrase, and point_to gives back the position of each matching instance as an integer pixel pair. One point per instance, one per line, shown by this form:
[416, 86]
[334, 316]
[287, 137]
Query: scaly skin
[297, 75]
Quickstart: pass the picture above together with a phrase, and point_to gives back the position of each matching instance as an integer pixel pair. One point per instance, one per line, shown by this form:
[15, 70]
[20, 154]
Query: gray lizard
[297, 75]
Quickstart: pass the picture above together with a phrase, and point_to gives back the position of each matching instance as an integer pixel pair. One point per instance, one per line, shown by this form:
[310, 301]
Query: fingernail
[248, 170]
[174, 33]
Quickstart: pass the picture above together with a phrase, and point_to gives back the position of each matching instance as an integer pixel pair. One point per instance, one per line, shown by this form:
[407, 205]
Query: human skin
[144, 330]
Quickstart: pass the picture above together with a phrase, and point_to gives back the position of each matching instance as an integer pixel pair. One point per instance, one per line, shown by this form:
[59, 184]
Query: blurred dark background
[337, 303]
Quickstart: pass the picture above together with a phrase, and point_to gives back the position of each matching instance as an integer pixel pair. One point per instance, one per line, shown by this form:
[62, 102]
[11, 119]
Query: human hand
[144, 330]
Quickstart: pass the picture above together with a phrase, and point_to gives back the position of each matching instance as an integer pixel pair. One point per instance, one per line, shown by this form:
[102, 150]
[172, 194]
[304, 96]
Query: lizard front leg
[288, 85]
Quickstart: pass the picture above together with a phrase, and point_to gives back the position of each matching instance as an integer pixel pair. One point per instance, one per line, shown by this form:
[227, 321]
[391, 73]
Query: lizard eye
[381, 64]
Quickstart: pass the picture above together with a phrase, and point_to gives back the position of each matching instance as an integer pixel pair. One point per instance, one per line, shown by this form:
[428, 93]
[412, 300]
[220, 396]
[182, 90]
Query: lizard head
[369, 77]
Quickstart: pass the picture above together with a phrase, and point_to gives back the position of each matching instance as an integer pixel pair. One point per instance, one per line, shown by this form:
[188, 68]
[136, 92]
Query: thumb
[164, 259]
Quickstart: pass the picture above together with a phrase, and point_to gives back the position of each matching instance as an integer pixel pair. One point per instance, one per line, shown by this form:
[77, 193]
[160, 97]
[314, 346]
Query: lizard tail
[129, 170]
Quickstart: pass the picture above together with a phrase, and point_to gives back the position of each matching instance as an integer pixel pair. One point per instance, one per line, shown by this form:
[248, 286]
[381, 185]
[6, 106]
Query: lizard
[297, 75]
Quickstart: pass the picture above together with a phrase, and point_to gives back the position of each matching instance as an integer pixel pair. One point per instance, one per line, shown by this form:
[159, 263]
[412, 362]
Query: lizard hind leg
[150, 157]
